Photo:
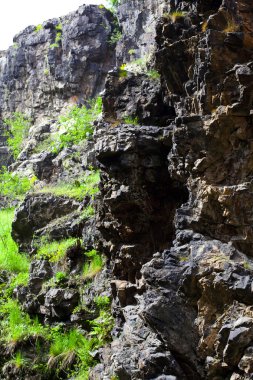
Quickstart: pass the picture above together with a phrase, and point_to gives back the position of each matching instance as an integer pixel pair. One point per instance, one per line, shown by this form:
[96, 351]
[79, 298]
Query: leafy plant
[77, 125]
[102, 302]
[58, 36]
[153, 74]
[115, 36]
[19, 125]
[38, 28]
[101, 328]
[131, 51]
[13, 186]
[60, 276]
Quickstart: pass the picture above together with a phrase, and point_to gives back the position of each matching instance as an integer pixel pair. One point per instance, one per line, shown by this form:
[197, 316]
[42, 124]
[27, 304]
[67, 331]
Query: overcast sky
[15, 15]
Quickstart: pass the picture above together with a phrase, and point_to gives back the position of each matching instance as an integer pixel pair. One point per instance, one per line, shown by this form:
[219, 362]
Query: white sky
[16, 15]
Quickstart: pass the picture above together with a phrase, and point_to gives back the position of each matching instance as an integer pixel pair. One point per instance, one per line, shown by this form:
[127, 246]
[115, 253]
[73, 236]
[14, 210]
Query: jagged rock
[59, 303]
[36, 211]
[41, 78]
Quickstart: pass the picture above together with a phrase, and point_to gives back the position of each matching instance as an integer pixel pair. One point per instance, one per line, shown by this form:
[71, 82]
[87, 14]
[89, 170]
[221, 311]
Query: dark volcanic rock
[36, 212]
[39, 76]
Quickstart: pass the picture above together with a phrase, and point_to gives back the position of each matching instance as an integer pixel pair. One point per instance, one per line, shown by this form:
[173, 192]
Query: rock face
[64, 61]
[174, 212]
[195, 182]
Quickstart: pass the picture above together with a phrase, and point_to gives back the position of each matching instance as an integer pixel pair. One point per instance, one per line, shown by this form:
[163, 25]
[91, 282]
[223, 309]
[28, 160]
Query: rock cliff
[173, 215]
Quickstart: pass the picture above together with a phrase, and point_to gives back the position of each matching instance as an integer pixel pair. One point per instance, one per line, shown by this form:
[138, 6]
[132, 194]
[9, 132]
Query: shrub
[77, 125]
[19, 125]
[13, 186]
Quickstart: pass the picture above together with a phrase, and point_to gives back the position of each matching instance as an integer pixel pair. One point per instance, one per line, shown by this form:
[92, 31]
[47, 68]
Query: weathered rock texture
[186, 314]
[60, 63]
[40, 75]
[174, 214]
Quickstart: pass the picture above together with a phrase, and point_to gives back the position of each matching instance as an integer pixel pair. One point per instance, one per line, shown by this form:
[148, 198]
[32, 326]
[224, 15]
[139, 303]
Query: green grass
[19, 360]
[78, 189]
[93, 265]
[10, 258]
[54, 251]
[69, 348]
[17, 325]
[17, 132]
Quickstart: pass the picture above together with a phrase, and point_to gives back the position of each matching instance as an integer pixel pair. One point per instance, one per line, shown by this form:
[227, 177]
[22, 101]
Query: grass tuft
[10, 258]
[93, 265]
[55, 250]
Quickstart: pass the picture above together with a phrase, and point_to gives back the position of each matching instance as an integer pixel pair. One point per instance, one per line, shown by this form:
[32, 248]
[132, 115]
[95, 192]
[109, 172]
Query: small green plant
[88, 212]
[18, 360]
[153, 74]
[46, 72]
[19, 279]
[58, 37]
[122, 71]
[247, 265]
[102, 302]
[93, 265]
[115, 37]
[54, 45]
[131, 120]
[60, 276]
[59, 27]
[131, 51]
[101, 328]
[38, 28]
[18, 127]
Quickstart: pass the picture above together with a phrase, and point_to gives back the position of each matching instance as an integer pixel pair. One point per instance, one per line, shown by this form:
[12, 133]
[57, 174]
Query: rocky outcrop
[174, 212]
[195, 293]
[63, 61]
